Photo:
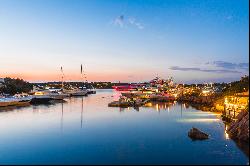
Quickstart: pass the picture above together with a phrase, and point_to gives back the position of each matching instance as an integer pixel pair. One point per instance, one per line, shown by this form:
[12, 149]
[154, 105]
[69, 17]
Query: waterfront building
[234, 104]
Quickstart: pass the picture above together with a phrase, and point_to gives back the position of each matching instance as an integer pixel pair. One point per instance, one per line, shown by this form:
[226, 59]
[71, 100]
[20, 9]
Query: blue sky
[118, 40]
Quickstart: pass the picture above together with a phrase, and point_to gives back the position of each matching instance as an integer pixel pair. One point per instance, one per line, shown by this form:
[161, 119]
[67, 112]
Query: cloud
[119, 21]
[229, 65]
[202, 70]
[133, 21]
[122, 22]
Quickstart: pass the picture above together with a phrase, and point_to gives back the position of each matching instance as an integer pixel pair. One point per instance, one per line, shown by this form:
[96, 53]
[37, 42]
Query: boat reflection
[160, 106]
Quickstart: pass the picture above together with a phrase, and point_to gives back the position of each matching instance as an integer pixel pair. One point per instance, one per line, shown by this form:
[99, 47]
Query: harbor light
[39, 93]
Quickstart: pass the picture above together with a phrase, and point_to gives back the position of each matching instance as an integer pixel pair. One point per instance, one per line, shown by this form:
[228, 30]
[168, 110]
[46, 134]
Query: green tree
[13, 86]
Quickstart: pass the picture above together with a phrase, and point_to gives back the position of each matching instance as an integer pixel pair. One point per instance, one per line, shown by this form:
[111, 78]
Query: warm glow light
[39, 93]
[157, 107]
[205, 91]
[226, 135]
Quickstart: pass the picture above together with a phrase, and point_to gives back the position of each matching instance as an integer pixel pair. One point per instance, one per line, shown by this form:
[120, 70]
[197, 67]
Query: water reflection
[81, 112]
[84, 129]
[62, 118]
[160, 106]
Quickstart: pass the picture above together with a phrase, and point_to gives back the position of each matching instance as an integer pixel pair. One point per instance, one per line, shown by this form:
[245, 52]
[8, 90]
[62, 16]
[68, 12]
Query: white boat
[52, 95]
[76, 92]
[58, 95]
[41, 97]
[15, 101]
[91, 90]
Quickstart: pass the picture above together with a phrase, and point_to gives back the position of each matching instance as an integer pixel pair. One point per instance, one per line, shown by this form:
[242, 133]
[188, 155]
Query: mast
[82, 76]
[62, 76]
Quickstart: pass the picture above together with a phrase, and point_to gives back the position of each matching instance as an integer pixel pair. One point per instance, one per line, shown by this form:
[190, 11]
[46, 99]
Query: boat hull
[79, 93]
[40, 100]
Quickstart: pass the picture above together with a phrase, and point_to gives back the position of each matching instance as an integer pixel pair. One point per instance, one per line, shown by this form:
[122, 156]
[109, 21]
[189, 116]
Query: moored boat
[40, 97]
[14, 101]
[78, 92]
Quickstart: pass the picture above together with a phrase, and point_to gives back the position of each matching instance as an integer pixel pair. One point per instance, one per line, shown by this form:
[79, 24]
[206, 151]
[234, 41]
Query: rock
[196, 134]
[239, 129]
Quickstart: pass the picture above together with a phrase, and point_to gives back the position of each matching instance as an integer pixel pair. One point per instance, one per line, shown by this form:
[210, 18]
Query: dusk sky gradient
[129, 41]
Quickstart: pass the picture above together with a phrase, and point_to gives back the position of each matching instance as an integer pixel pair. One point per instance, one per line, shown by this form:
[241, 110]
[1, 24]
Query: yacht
[57, 94]
[41, 97]
[77, 92]
[15, 101]
[91, 90]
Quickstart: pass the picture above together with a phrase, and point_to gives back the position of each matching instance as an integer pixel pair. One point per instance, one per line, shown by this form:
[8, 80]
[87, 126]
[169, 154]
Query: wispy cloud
[203, 70]
[121, 21]
[230, 65]
[133, 21]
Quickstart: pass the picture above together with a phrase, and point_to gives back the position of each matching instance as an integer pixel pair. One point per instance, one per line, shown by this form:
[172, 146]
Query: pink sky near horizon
[73, 76]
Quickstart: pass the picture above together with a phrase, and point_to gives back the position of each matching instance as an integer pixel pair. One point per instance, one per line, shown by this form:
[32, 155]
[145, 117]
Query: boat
[76, 92]
[57, 95]
[91, 90]
[4, 102]
[40, 97]
[80, 91]
[23, 99]
[14, 101]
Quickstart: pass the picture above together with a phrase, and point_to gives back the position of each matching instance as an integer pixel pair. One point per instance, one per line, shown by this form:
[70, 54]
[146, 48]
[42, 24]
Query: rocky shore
[203, 100]
[204, 103]
[239, 129]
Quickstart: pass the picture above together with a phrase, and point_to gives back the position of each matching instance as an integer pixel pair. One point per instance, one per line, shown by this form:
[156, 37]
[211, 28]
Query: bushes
[13, 86]
[237, 86]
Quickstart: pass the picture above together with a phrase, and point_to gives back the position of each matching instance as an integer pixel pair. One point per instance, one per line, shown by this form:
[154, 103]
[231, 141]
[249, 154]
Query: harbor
[128, 82]
[89, 129]
[204, 106]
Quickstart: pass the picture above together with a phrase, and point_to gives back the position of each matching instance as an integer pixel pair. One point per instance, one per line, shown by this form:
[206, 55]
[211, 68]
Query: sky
[193, 41]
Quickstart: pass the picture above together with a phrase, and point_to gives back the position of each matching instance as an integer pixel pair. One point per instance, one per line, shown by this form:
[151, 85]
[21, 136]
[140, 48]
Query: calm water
[86, 131]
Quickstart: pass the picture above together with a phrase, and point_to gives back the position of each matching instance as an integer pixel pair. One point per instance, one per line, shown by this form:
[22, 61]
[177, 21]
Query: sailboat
[77, 91]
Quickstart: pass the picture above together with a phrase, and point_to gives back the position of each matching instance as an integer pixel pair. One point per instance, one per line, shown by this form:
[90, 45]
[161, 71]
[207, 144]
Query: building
[235, 104]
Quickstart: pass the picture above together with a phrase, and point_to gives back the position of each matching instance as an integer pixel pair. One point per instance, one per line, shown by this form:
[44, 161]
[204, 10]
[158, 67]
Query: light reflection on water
[83, 130]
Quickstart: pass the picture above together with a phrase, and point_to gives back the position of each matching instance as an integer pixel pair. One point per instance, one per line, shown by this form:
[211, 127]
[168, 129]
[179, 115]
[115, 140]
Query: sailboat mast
[62, 77]
[81, 75]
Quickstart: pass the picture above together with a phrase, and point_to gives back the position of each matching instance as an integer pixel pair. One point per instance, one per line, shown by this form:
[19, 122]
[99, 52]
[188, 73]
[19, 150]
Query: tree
[13, 86]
